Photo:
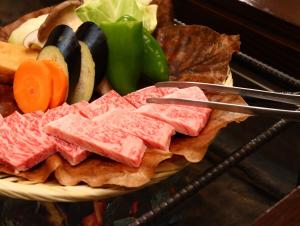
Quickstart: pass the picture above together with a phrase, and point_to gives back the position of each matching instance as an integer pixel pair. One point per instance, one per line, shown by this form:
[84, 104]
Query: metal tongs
[289, 98]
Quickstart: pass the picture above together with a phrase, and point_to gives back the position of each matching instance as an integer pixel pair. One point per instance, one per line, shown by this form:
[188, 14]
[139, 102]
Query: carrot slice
[60, 83]
[32, 86]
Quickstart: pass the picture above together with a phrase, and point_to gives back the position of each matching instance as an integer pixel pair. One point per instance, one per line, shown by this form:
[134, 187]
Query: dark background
[10, 10]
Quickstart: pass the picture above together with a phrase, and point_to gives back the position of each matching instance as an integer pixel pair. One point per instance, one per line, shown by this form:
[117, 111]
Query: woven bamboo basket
[16, 187]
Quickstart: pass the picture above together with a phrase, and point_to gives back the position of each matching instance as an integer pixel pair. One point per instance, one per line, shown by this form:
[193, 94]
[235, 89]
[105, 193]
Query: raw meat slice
[80, 105]
[187, 120]
[167, 90]
[193, 93]
[21, 147]
[184, 121]
[108, 101]
[102, 140]
[28, 127]
[24, 144]
[155, 133]
[63, 110]
[37, 114]
[139, 97]
[16, 121]
[56, 113]
[73, 153]
[35, 119]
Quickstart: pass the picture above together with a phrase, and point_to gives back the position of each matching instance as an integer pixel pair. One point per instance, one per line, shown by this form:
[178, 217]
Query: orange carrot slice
[60, 83]
[32, 86]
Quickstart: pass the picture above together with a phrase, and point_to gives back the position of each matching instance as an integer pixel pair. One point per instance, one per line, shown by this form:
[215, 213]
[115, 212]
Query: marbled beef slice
[22, 146]
[154, 133]
[108, 142]
[187, 120]
[109, 101]
[73, 153]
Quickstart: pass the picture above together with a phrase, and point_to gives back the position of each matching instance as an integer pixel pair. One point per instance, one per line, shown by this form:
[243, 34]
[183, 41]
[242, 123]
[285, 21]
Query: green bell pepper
[155, 65]
[125, 54]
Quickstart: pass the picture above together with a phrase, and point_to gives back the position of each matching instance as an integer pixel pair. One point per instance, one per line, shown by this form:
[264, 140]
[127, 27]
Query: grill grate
[233, 159]
[213, 172]
[268, 69]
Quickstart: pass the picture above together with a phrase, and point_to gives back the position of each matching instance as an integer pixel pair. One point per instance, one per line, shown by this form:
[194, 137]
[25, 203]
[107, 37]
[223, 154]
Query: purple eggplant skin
[95, 39]
[64, 39]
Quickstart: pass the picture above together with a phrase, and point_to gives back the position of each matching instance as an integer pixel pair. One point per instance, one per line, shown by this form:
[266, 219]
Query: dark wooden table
[286, 212]
[283, 10]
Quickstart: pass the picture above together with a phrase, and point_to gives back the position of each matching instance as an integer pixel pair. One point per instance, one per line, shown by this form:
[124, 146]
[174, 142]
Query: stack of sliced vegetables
[72, 64]
[83, 55]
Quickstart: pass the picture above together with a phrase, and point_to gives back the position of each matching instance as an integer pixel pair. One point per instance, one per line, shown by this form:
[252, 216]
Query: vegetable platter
[75, 54]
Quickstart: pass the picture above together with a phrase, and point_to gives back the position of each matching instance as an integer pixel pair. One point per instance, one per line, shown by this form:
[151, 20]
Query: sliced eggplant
[54, 53]
[63, 47]
[95, 39]
[85, 86]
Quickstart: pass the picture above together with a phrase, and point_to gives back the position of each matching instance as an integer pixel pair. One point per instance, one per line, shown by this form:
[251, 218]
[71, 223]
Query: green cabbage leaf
[99, 11]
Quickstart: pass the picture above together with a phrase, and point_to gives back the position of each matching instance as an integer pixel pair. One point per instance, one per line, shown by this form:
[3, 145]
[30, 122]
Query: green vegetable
[99, 11]
[155, 66]
[125, 54]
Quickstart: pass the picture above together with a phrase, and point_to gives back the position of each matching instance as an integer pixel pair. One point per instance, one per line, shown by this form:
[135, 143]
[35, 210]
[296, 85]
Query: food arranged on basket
[116, 130]
[81, 75]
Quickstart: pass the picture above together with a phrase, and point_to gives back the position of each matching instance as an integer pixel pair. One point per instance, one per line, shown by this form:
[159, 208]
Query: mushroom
[63, 13]
[31, 41]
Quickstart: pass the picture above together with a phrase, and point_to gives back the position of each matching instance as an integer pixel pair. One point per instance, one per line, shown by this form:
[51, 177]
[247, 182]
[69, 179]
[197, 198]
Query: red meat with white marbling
[154, 133]
[109, 101]
[73, 153]
[139, 97]
[185, 119]
[103, 140]
[23, 146]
